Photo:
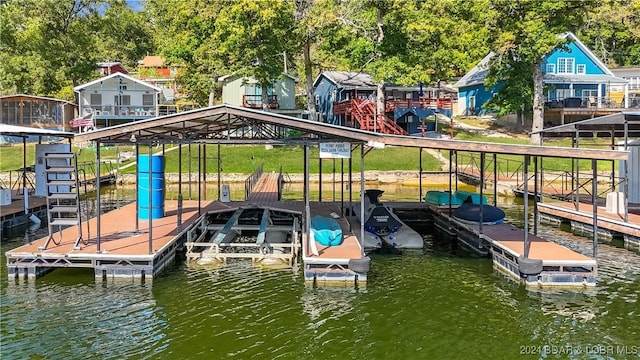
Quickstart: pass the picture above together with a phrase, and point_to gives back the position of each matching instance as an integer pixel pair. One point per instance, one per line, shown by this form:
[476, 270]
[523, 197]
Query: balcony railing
[120, 110]
[255, 101]
[592, 102]
[425, 103]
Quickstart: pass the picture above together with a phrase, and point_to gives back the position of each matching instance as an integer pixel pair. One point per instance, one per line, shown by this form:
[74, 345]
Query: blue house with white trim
[573, 77]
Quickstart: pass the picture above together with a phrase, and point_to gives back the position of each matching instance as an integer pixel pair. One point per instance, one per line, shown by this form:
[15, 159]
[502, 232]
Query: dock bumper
[336, 272]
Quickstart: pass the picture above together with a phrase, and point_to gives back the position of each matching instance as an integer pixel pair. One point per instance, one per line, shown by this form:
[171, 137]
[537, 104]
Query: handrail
[250, 182]
[280, 183]
[556, 183]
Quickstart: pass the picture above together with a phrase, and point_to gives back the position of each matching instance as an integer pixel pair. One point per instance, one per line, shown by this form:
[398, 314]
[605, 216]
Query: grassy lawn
[245, 158]
[11, 157]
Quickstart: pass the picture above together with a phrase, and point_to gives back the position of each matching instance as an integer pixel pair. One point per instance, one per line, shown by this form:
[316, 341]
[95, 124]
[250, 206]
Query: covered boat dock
[225, 124]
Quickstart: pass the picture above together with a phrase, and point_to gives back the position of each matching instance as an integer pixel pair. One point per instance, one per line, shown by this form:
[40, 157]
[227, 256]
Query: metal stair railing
[251, 181]
[63, 196]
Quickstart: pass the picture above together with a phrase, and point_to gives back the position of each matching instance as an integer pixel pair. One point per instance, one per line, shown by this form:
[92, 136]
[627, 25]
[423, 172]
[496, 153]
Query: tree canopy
[49, 46]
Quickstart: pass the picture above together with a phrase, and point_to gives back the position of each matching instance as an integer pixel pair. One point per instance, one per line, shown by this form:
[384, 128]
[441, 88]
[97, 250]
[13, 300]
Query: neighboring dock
[13, 214]
[582, 219]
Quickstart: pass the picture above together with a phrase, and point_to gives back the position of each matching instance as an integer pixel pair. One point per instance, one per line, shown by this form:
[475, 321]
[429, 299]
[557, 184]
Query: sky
[136, 5]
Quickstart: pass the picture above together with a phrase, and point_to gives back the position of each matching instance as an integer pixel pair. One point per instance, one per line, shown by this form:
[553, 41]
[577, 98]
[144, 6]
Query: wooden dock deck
[612, 222]
[558, 265]
[12, 215]
[124, 252]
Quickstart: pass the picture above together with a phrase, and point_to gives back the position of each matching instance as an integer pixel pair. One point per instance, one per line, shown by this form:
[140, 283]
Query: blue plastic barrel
[156, 208]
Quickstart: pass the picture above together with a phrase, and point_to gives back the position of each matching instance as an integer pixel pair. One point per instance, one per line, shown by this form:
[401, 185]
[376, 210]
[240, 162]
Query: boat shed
[226, 124]
[232, 124]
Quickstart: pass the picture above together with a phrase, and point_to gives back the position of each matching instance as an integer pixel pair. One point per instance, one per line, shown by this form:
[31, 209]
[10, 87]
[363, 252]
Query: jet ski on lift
[381, 225]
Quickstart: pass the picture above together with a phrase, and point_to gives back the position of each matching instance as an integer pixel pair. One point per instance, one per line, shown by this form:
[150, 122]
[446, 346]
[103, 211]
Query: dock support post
[342, 187]
[362, 195]
[450, 174]
[307, 208]
[189, 155]
[219, 171]
[204, 170]
[626, 169]
[137, 229]
[334, 179]
[319, 179]
[98, 197]
[199, 175]
[420, 175]
[535, 195]
[482, 158]
[576, 196]
[613, 162]
[526, 207]
[351, 184]
[25, 193]
[179, 168]
[150, 199]
[456, 172]
[495, 179]
[594, 199]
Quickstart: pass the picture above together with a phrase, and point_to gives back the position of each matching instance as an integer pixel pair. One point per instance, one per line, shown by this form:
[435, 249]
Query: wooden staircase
[63, 196]
[363, 111]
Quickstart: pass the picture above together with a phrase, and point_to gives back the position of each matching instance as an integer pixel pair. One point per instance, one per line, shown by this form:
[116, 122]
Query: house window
[317, 99]
[563, 93]
[581, 69]
[95, 99]
[551, 68]
[126, 99]
[147, 100]
[565, 65]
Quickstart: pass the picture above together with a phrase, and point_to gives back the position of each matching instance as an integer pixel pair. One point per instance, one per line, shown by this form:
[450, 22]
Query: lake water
[434, 305]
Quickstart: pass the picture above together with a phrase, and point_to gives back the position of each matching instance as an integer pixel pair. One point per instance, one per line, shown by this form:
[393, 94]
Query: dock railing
[280, 183]
[251, 181]
[556, 183]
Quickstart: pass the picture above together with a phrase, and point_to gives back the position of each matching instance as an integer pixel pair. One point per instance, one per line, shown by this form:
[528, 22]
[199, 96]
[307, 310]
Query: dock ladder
[63, 196]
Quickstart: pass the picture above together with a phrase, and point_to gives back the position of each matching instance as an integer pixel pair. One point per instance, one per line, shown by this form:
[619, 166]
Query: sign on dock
[335, 150]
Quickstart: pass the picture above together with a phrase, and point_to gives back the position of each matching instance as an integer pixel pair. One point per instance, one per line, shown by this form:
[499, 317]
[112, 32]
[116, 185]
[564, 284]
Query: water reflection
[67, 315]
[419, 306]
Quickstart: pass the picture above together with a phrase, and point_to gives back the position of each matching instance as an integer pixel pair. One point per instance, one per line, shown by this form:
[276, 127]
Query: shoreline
[382, 177]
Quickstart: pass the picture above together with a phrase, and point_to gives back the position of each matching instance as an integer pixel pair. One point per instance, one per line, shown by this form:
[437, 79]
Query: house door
[471, 109]
[590, 97]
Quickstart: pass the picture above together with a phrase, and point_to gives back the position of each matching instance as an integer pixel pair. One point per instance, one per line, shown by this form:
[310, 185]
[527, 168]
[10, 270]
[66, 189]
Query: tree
[612, 31]
[525, 32]
[315, 19]
[123, 35]
[50, 46]
[183, 31]
[250, 39]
